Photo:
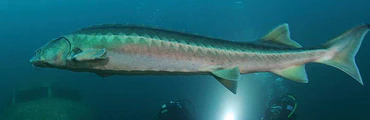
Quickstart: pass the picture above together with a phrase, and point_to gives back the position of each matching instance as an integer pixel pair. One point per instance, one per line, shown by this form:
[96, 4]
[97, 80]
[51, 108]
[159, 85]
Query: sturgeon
[114, 49]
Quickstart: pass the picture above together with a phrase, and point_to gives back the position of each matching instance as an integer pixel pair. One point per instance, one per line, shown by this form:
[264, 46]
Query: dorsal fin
[280, 35]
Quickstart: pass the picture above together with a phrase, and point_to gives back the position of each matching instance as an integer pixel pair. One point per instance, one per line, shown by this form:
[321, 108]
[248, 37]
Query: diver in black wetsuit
[282, 108]
[174, 111]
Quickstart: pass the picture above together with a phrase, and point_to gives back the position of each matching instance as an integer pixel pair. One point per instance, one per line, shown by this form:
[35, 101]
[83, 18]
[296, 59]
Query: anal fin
[228, 78]
[295, 73]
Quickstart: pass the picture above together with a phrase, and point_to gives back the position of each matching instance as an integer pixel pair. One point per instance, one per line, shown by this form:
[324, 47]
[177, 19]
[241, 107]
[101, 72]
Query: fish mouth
[37, 63]
[40, 64]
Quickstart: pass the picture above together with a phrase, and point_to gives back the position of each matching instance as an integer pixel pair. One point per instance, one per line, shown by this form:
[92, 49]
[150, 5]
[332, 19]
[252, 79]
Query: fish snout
[34, 60]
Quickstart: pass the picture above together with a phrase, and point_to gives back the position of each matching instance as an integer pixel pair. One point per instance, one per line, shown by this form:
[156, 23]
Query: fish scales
[168, 43]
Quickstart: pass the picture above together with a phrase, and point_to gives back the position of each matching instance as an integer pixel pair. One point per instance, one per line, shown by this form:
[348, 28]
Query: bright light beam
[229, 116]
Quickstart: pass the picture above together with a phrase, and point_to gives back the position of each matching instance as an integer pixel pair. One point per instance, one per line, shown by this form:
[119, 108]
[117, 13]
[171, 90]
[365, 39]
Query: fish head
[52, 54]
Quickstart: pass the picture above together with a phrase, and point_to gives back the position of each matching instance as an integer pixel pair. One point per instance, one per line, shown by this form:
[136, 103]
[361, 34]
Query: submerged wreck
[45, 102]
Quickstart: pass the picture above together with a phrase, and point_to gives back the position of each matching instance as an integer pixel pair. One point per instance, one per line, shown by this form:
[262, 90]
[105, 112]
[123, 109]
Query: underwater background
[330, 94]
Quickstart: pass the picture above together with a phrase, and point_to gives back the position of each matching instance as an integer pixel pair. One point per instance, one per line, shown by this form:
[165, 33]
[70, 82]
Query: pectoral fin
[94, 54]
[228, 78]
[295, 73]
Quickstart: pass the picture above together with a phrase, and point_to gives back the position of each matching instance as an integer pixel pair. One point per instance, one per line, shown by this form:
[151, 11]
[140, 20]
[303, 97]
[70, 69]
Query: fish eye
[37, 52]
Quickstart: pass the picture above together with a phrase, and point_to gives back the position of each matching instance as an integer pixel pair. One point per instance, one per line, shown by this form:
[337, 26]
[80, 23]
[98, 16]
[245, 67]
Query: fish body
[136, 50]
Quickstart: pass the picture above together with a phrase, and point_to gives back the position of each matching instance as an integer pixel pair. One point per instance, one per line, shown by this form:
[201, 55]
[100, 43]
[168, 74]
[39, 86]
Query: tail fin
[345, 48]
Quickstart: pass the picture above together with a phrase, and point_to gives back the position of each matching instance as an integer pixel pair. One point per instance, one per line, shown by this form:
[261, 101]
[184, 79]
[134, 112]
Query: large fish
[136, 50]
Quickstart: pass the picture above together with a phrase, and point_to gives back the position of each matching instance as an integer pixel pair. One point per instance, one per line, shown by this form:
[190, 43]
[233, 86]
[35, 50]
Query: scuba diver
[174, 111]
[281, 108]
